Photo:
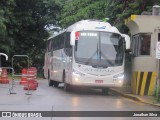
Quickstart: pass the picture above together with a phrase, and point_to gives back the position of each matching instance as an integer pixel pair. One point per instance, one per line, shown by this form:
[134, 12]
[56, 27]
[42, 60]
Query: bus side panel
[68, 69]
[47, 64]
[58, 65]
[45, 67]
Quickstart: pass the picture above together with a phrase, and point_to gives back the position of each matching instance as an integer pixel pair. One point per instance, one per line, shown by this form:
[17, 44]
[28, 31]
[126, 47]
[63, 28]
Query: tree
[6, 7]
[24, 24]
[76, 10]
[116, 10]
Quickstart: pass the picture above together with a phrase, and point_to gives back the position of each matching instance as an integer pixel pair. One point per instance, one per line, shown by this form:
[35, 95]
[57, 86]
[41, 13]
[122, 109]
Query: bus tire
[44, 75]
[105, 91]
[50, 82]
[66, 87]
[55, 84]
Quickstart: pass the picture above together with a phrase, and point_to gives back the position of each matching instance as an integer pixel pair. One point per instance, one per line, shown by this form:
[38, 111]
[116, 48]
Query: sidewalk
[126, 92]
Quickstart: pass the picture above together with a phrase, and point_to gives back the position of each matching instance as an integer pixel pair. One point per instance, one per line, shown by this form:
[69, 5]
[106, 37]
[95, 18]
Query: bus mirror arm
[127, 40]
[70, 59]
[72, 38]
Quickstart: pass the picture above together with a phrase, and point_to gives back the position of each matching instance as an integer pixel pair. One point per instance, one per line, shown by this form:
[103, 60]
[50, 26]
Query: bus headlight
[119, 78]
[76, 80]
[120, 81]
[77, 73]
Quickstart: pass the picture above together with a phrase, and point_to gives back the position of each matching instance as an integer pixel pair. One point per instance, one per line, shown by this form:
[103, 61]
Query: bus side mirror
[72, 38]
[127, 40]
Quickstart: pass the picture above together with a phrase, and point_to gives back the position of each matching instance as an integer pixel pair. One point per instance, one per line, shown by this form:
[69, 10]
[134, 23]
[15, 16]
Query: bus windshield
[99, 49]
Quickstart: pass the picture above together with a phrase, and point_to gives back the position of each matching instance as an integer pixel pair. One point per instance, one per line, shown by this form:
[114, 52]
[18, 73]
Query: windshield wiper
[86, 63]
[111, 63]
[96, 52]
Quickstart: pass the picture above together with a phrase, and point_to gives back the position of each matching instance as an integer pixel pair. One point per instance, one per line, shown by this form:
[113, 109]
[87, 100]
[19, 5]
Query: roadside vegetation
[156, 94]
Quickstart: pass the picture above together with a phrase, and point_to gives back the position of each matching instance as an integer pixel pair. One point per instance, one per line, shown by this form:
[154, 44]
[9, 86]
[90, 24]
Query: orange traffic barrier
[35, 75]
[4, 77]
[30, 86]
[24, 77]
[34, 70]
[32, 73]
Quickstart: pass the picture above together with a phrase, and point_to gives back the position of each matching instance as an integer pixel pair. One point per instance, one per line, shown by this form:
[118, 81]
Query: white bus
[89, 53]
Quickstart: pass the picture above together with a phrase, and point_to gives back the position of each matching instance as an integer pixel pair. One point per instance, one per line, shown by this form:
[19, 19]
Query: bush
[156, 93]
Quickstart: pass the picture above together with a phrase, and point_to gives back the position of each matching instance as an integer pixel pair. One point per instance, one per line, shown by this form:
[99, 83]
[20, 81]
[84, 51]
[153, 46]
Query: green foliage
[6, 6]
[23, 26]
[76, 10]
[116, 10]
[2, 21]
[156, 93]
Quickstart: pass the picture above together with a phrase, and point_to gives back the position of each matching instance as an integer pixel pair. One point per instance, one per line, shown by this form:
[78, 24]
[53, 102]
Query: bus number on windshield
[89, 34]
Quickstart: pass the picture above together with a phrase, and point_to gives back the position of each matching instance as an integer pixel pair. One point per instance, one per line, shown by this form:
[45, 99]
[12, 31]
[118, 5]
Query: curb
[133, 97]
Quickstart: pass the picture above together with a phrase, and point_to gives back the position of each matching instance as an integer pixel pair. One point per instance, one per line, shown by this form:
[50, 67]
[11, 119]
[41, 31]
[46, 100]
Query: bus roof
[54, 35]
[90, 24]
[96, 25]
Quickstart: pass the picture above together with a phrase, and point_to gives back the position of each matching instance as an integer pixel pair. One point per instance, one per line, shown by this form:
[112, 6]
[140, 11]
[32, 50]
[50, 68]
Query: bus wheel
[66, 87]
[105, 91]
[50, 82]
[56, 84]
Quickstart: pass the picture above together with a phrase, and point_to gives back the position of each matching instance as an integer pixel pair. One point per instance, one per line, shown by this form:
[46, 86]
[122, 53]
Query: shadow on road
[85, 91]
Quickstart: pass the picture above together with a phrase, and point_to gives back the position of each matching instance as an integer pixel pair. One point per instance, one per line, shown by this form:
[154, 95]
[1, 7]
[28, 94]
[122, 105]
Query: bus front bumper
[96, 82]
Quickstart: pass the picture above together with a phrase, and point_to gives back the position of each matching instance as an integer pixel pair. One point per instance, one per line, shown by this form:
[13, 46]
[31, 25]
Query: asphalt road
[47, 98]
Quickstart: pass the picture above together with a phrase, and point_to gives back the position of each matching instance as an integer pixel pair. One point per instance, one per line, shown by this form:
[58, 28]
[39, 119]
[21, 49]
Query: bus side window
[61, 41]
[49, 45]
[52, 47]
[68, 47]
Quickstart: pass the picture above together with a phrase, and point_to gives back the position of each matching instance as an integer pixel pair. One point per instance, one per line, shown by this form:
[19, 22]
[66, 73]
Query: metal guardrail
[20, 56]
[11, 90]
[11, 70]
